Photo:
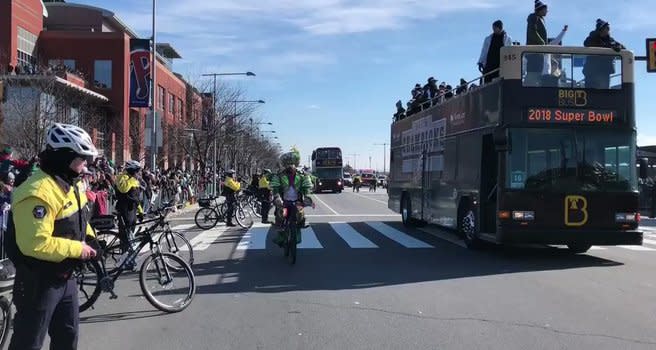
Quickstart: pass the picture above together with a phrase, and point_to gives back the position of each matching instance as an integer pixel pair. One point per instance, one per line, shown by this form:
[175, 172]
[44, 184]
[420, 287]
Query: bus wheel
[579, 248]
[406, 211]
[467, 227]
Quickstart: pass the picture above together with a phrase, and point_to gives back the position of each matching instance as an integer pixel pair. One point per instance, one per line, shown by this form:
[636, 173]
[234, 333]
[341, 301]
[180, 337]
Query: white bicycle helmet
[132, 165]
[71, 137]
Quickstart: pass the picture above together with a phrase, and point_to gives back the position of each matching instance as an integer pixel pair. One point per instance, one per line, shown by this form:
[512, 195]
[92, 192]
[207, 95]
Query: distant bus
[327, 169]
[528, 158]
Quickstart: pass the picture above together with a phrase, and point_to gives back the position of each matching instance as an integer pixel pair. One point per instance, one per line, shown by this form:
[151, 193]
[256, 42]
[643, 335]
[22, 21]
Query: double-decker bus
[532, 157]
[327, 169]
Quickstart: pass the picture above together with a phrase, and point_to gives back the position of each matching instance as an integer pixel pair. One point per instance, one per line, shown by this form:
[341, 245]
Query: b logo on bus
[576, 211]
[572, 98]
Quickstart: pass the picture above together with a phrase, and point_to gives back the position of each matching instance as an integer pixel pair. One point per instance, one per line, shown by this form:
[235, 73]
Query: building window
[180, 109]
[26, 48]
[171, 104]
[160, 102]
[102, 74]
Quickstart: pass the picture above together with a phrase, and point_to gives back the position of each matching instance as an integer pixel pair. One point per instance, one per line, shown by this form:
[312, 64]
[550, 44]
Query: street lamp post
[214, 113]
[153, 86]
[384, 155]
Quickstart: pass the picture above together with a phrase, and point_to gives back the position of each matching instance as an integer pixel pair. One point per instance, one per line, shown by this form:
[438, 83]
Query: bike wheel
[7, 320]
[244, 217]
[206, 218]
[88, 280]
[291, 243]
[176, 243]
[167, 282]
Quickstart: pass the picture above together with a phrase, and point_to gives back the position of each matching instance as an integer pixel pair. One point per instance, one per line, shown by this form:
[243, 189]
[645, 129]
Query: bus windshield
[328, 173]
[572, 160]
[572, 71]
[329, 153]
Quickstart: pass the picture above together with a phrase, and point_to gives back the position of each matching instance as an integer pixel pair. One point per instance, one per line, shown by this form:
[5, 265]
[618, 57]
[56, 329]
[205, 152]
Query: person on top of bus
[536, 34]
[491, 52]
[430, 89]
[462, 88]
[597, 68]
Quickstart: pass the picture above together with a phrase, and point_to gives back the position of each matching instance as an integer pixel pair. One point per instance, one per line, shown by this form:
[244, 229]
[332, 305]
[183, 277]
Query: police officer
[46, 241]
[128, 202]
[230, 189]
[264, 189]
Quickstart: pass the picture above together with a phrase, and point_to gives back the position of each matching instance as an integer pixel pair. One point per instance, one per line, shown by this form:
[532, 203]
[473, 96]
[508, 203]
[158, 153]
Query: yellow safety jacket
[264, 183]
[232, 184]
[127, 194]
[50, 220]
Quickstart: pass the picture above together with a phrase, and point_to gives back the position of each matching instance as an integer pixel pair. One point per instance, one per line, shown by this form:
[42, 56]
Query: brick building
[95, 43]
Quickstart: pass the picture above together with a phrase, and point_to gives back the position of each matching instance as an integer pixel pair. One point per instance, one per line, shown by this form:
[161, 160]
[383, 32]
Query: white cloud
[313, 107]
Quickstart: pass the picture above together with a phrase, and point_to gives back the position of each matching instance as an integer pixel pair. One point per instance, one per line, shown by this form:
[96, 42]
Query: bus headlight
[627, 217]
[320, 184]
[523, 215]
[339, 183]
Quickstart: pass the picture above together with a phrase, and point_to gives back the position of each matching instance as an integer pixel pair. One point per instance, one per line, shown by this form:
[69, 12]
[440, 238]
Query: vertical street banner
[140, 78]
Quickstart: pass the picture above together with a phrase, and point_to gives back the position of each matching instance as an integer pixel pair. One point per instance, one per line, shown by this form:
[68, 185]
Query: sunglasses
[89, 159]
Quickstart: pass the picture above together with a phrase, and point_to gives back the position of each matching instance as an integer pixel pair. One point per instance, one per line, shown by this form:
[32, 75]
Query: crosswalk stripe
[205, 239]
[182, 227]
[309, 239]
[637, 248]
[597, 248]
[398, 236]
[254, 238]
[649, 241]
[351, 236]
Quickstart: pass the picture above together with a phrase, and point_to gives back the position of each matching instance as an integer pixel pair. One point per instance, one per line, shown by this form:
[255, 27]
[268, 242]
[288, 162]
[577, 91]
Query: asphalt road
[363, 281]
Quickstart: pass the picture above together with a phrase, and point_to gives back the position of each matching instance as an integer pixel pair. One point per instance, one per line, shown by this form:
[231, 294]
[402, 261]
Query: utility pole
[153, 86]
[384, 155]
[355, 160]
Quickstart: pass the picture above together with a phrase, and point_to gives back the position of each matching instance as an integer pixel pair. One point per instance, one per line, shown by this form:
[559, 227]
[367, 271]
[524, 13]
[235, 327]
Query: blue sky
[331, 70]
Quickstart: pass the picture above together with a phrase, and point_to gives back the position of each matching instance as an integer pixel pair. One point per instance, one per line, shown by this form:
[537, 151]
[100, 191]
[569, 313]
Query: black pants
[230, 210]
[126, 225]
[266, 207]
[44, 306]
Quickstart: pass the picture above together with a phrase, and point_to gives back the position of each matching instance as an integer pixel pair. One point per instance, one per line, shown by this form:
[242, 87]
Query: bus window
[571, 71]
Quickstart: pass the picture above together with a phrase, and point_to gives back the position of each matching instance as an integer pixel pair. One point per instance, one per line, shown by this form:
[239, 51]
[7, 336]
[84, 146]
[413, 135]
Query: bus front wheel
[578, 248]
[468, 226]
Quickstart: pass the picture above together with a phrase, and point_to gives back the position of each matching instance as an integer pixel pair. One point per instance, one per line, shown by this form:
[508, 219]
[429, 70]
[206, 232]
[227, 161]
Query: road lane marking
[351, 236]
[597, 248]
[255, 238]
[637, 248]
[398, 236]
[326, 205]
[205, 239]
[371, 199]
[310, 240]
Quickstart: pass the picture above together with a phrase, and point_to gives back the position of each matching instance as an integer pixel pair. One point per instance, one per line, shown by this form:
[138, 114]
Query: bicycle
[93, 275]
[211, 213]
[291, 229]
[6, 287]
[170, 241]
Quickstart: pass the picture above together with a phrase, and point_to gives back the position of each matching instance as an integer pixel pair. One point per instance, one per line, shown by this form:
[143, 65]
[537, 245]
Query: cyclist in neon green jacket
[289, 187]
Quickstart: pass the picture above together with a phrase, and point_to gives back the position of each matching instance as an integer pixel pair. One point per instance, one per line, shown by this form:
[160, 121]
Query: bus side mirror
[501, 140]
[644, 165]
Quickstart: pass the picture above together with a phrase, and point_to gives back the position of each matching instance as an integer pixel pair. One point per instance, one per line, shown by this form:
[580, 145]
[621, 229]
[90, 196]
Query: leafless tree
[34, 102]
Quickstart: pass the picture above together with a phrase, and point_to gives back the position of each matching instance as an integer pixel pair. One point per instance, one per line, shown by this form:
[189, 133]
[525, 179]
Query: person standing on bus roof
[536, 34]
[490, 54]
[598, 69]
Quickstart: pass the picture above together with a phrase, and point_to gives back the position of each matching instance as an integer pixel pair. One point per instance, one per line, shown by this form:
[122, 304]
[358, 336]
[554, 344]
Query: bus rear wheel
[579, 248]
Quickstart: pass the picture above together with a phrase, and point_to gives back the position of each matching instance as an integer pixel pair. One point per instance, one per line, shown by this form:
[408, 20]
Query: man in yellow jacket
[128, 202]
[230, 189]
[264, 189]
[45, 240]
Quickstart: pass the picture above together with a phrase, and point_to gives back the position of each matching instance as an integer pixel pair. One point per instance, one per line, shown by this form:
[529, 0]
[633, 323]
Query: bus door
[489, 188]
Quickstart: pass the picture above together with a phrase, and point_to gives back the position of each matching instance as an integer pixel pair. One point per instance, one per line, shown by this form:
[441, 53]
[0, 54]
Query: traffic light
[651, 55]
